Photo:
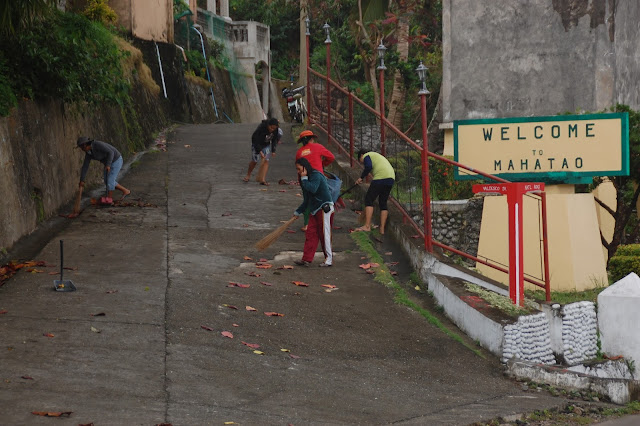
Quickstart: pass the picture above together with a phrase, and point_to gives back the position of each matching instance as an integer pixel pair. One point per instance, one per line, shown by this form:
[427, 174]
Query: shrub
[99, 11]
[628, 250]
[625, 261]
[70, 58]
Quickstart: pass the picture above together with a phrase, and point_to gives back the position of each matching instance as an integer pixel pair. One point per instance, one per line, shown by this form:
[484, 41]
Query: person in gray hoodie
[110, 157]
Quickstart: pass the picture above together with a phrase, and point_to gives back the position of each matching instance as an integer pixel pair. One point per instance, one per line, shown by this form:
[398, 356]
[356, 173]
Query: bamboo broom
[273, 236]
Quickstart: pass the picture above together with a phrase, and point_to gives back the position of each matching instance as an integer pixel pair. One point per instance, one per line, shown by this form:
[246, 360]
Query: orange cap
[305, 134]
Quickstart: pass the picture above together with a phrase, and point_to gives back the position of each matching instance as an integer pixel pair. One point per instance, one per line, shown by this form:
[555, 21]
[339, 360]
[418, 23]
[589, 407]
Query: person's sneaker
[301, 262]
[323, 265]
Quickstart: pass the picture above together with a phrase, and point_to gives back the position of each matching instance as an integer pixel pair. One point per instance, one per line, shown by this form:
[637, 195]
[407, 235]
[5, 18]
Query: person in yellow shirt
[383, 178]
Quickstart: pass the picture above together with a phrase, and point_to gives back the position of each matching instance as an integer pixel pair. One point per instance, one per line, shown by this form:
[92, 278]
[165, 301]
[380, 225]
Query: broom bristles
[274, 235]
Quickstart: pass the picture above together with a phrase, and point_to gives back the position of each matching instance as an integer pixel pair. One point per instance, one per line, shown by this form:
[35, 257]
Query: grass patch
[501, 302]
[401, 297]
[565, 298]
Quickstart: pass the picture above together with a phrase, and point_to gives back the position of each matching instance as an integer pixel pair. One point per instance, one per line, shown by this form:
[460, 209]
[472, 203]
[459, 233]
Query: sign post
[514, 192]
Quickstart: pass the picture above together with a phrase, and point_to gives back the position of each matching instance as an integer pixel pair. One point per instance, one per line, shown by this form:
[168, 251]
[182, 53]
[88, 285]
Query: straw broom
[273, 236]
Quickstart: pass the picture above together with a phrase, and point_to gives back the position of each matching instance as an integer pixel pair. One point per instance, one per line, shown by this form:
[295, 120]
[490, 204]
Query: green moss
[401, 297]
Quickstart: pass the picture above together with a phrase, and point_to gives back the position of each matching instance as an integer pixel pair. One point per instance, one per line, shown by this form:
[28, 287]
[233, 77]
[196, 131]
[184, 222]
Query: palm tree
[16, 15]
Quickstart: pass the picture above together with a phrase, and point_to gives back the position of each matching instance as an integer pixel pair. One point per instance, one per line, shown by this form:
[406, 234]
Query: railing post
[382, 112]
[307, 22]
[545, 246]
[327, 43]
[351, 131]
[426, 183]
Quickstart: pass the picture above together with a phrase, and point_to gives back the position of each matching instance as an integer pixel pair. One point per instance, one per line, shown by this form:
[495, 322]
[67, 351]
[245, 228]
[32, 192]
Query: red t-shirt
[318, 156]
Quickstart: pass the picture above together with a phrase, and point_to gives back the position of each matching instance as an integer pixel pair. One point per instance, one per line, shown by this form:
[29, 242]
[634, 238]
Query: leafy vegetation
[16, 16]
[70, 58]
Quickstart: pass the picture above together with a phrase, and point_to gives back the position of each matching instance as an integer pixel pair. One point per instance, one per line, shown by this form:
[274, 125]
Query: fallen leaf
[286, 267]
[391, 263]
[54, 273]
[393, 272]
[285, 350]
[273, 314]
[232, 284]
[328, 285]
[187, 146]
[417, 287]
[253, 274]
[48, 334]
[95, 330]
[258, 352]
[375, 265]
[227, 334]
[99, 314]
[370, 271]
[3, 311]
[266, 283]
[245, 225]
[35, 271]
[298, 195]
[282, 182]
[337, 227]
[388, 253]
[264, 266]
[294, 356]
[230, 306]
[329, 290]
[247, 258]
[52, 413]
[235, 325]
[415, 236]
[226, 214]
[206, 328]
[146, 289]
[282, 190]
[365, 266]
[249, 308]
[291, 231]
[230, 423]
[112, 291]
[262, 259]
[251, 345]
[300, 283]
[27, 377]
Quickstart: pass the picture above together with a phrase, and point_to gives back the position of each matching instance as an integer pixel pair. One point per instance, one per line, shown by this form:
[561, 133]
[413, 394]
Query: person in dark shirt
[263, 146]
[109, 156]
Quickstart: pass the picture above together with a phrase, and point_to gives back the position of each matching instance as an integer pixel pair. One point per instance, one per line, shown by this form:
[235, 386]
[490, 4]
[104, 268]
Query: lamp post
[307, 23]
[381, 51]
[426, 184]
[327, 43]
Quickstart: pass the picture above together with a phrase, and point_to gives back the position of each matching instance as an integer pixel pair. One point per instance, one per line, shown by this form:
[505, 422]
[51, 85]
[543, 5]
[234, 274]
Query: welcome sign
[567, 148]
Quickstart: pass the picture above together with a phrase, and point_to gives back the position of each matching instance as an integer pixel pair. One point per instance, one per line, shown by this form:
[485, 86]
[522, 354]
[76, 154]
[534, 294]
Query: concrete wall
[539, 57]
[39, 165]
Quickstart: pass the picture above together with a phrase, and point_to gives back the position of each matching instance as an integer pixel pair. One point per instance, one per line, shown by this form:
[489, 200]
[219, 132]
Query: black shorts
[379, 191]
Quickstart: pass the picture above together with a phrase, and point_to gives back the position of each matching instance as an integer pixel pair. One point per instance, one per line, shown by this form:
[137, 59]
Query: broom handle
[61, 261]
[347, 190]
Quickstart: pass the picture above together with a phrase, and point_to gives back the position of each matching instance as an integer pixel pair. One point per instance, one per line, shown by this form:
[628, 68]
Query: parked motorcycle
[295, 103]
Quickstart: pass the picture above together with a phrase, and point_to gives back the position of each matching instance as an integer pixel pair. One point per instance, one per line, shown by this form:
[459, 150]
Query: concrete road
[140, 341]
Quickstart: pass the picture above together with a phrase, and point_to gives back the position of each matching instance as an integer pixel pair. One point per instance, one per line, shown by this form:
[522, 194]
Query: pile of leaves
[9, 270]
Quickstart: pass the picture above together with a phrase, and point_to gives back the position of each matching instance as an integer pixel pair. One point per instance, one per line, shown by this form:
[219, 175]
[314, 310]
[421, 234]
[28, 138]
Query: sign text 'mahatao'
[567, 147]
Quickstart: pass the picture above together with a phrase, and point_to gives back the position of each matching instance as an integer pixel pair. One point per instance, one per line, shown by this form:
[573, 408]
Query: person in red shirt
[316, 154]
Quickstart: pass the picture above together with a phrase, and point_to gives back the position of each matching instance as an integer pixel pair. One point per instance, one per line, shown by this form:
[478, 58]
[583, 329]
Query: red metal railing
[351, 124]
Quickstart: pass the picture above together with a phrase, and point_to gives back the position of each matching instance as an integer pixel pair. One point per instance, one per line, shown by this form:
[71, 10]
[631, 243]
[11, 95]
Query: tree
[19, 15]
[626, 187]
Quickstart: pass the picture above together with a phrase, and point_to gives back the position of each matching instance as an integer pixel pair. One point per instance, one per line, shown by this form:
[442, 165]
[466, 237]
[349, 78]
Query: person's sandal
[324, 265]
[302, 262]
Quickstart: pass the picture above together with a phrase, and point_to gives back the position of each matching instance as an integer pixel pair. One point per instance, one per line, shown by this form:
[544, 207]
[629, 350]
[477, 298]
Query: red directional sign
[514, 192]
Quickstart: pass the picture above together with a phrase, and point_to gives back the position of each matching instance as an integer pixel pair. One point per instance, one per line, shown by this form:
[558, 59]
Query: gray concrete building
[508, 58]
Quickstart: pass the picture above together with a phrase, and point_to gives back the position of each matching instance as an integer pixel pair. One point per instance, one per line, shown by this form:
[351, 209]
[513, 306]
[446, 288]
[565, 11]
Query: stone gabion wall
[529, 339]
[446, 226]
[579, 332]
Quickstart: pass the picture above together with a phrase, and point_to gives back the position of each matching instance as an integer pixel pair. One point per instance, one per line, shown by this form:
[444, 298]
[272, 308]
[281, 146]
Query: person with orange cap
[316, 154]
